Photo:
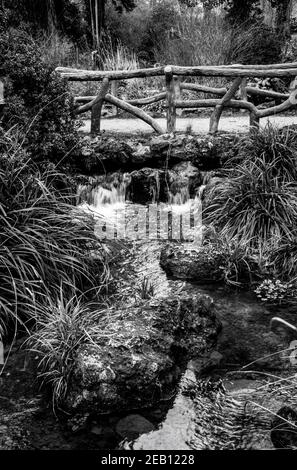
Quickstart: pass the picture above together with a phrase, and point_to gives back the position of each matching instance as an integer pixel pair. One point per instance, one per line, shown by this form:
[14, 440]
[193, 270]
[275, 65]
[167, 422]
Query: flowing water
[178, 218]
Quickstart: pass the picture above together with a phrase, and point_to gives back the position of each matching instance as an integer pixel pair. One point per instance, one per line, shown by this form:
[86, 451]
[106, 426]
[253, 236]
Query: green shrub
[276, 148]
[199, 40]
[45, 242]
[255, 44]
[160, 21]
[38, 100]
[238, 262]
[276, 291]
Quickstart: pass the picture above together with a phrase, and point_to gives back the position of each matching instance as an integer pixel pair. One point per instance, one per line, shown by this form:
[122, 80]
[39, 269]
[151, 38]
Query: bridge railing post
[243, 91]
[171, 109]
[97, 107]
[114, 92]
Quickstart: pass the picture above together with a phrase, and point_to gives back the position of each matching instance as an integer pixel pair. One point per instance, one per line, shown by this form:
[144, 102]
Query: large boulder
[202, 265]
[140, 355]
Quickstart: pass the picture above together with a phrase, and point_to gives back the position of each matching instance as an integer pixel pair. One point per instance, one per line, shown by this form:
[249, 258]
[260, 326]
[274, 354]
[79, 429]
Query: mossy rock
[202, 265]
[141, 354]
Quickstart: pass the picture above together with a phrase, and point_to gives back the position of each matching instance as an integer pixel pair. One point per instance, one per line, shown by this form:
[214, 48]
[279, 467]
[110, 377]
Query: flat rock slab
[133, 426]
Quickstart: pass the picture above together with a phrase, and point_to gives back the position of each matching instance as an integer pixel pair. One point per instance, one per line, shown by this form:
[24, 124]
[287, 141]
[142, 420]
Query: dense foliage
[38, 101]
[44, 240]
[256, 207]
[258, 202]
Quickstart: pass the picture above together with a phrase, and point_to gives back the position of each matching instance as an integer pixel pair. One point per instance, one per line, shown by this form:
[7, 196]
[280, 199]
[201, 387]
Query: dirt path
[236, 123]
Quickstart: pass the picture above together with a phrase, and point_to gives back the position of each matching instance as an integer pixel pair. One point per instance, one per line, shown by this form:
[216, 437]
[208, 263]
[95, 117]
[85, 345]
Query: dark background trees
[96, 14]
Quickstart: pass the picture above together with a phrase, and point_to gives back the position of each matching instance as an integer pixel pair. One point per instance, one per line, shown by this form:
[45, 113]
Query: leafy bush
[272, 146]
[199, 40]
[255, 44]
[45, 241]
[276, 291]
[38, 101]
[161, 19]
[38, 16]
[129, 28]
[238, 262]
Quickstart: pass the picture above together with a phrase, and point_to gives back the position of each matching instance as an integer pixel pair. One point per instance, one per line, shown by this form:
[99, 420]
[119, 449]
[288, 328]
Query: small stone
[98, 430]
[133, 426]
[203, 265]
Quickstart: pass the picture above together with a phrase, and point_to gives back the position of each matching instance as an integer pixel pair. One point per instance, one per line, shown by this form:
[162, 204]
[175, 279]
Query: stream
[186, 421]
[227, 400]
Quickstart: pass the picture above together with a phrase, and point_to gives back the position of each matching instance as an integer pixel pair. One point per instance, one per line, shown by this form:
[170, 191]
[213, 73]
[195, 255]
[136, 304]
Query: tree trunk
[97, 17]
[92, 18]
[283, 17]
[51, 16]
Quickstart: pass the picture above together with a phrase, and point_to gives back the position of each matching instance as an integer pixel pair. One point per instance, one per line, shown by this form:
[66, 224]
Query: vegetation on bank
[254, 208]
[46, 243]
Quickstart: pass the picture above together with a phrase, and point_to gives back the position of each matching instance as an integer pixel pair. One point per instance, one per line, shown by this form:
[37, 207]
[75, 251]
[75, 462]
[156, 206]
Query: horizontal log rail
[77, 75]
[233, 72]
[207, 71]
[234, 96]
[210, 103]
[136, 102]
[252, 91]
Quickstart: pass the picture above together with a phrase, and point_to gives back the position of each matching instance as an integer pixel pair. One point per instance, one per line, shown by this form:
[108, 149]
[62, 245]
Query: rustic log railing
[234, 96]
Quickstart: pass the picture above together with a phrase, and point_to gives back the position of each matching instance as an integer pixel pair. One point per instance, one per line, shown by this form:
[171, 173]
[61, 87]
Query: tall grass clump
[62, 326]
[45, 241]
[199, 40]
[117, 56]
[254, 43]
[258, 201]
[274, 147]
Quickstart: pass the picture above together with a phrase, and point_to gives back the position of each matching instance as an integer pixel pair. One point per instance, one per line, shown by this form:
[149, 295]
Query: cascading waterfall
[108, 199]
[105, 197]
[181, 197]
[114, 192]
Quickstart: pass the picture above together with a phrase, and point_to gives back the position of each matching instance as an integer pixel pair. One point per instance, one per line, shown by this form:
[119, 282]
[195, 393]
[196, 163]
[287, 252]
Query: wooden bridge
[236, 95]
